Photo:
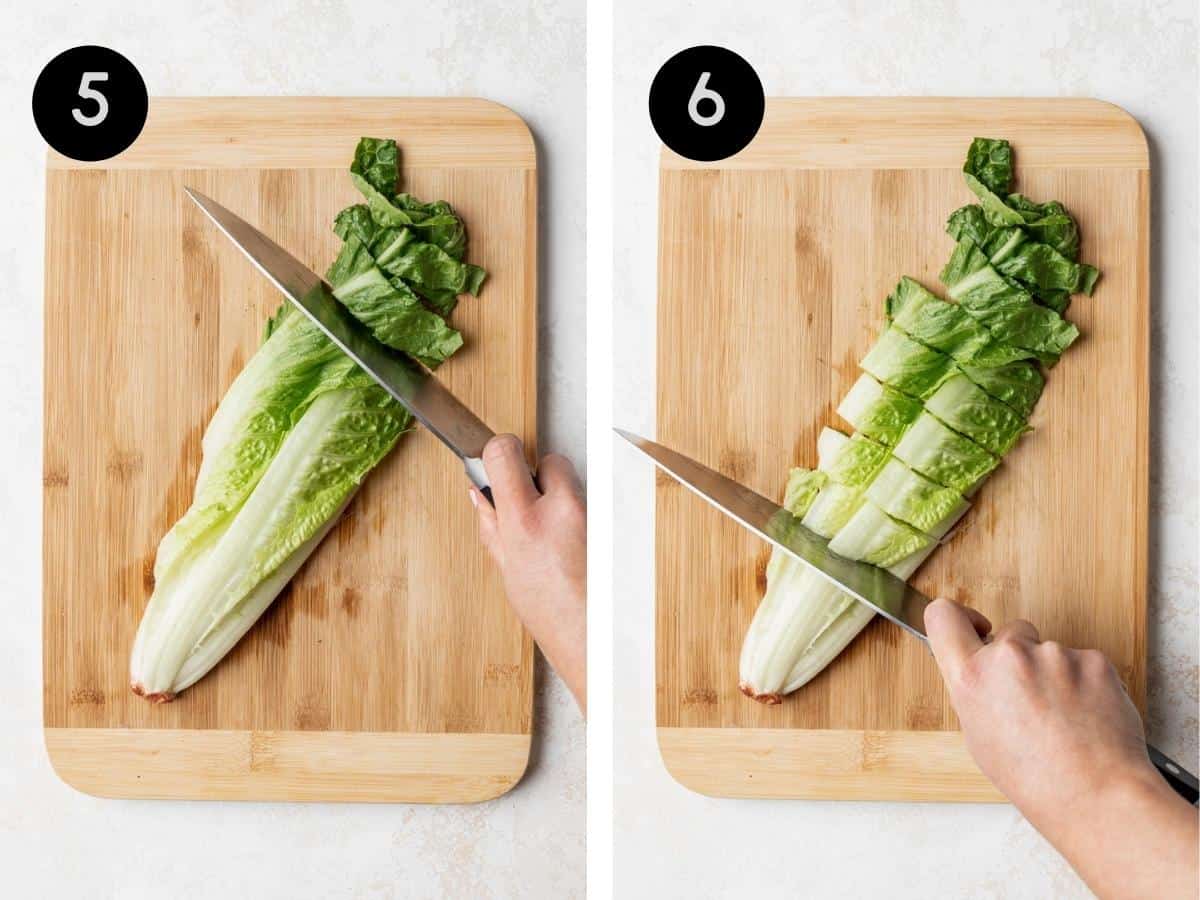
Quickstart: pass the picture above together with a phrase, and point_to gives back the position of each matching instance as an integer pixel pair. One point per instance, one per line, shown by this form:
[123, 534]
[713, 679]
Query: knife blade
[892, 598]
[879, 589]
[412, 386]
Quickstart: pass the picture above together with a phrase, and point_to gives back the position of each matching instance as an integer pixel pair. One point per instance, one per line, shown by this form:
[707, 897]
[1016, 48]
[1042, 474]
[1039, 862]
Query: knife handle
[1180, 779]
[479, 478]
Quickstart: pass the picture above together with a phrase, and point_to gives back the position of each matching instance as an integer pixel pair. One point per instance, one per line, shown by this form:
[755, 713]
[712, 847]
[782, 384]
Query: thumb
[489, 531]
[953, 635]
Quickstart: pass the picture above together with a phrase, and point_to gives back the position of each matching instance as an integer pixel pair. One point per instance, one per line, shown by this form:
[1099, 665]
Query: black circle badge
[90, 103]
[706, 103]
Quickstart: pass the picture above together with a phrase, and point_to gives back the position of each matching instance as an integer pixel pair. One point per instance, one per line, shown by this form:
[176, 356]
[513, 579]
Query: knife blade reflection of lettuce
[300, 428]
[946, 392]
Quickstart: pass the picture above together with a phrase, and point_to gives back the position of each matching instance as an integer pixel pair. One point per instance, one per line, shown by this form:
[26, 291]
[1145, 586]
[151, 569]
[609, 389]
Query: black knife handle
[1180, 779]
[478, 477]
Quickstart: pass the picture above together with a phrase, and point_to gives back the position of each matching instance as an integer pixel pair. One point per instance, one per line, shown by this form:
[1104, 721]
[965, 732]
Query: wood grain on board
[773, 268]
[393, 651]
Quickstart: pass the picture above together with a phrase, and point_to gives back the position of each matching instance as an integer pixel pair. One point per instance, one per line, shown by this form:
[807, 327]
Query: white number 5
[87, 92]
[702, 92]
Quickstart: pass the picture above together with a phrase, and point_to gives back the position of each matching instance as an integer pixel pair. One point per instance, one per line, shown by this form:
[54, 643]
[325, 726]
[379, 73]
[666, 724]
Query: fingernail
[474, 499]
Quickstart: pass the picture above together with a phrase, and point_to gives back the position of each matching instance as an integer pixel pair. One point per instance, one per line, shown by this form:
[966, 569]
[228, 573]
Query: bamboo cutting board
[391, 669]
[773, 267]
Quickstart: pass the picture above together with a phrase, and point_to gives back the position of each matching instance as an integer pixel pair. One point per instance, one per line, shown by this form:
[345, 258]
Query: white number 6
[702, 92]
[87, 92]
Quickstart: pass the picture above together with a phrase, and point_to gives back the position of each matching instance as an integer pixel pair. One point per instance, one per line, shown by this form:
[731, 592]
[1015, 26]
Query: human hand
[1055, 731]
[538, 540]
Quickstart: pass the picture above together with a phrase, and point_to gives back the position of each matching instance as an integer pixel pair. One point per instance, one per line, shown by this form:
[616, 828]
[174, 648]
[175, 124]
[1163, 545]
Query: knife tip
[628, 435]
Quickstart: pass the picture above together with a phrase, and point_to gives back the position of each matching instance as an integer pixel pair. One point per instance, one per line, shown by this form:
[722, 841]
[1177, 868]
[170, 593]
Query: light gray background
[670, 842]
[55, 842]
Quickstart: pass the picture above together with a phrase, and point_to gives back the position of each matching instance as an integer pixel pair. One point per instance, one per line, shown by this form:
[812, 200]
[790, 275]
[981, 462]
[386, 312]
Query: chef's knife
[418, 391]
[877, 588]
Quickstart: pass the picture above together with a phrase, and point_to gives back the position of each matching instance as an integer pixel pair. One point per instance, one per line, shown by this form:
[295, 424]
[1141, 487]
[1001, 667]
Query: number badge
[90, 103]
[706, 103]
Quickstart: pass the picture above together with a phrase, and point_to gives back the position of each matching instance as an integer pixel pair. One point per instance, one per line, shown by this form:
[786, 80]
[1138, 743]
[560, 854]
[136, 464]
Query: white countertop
[55, 842]
[670, 842]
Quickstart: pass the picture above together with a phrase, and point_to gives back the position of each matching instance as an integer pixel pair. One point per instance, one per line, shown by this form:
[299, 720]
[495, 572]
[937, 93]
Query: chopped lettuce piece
[942, 454]
[1012, 317]
[872, 536]
[829, 444]
[377, 162]
[969, 410]
[947, 327]
[857, 461]
[1019, 384]
[1007, 311]
[907, 365]
[802, 488]
[1045, 271]
[1040, 268]
[911, 497]
[878, 411]
[832, 508]
[391, 310]
[968, 266]
[989, 160]
[1048, 223]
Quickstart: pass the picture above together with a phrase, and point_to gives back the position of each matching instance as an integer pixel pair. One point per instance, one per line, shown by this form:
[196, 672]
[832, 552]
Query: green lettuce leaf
[1048, 223]
[912, 498]
[971, 411]
[938, 452]
[857, 462]
[906, 365]
[872, 536]
[389, 308]
[298, 431]
[802, 488]
[1013, 318]
[878, 411]
[990, 162]
[832, 508]
[1007, 311]
[377, 163]
[947, 327]
[1018, 384]
[1046, 272]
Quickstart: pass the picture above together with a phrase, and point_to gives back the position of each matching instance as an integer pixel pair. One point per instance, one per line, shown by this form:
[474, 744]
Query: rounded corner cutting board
[391, 669]
[773, 268]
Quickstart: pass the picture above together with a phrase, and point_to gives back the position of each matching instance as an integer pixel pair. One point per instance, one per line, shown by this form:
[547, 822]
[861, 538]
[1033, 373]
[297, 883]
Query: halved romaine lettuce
[891, 509]
[289, 444]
